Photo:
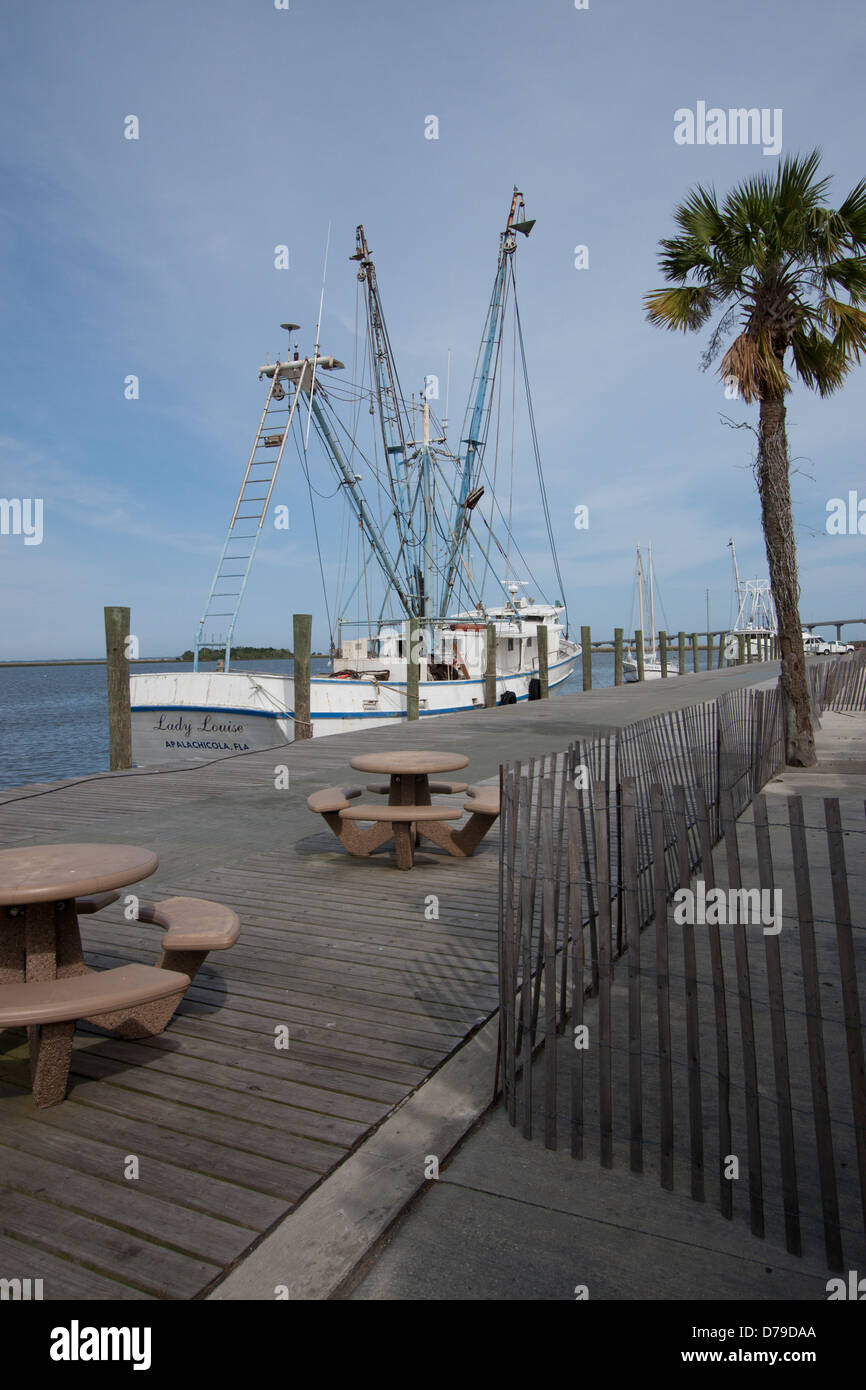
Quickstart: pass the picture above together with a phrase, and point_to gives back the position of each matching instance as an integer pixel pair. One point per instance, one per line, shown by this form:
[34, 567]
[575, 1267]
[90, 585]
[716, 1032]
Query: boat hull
[192, 716]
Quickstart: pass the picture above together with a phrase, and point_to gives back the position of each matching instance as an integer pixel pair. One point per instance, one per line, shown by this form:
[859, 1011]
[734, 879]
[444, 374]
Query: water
[54, 719]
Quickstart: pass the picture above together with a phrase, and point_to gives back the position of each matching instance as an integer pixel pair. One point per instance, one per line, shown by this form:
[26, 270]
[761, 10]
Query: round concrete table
[409, 772]
[39, 935]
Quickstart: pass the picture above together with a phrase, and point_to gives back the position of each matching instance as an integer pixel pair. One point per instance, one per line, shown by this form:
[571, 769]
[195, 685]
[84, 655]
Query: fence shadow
[709, 1020]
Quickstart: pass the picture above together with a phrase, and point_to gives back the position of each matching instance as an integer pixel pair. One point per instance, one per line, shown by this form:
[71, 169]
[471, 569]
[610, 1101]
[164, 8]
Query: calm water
[54, 724]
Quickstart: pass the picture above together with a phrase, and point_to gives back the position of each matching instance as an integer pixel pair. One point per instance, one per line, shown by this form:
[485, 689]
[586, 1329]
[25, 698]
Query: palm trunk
[774, 489]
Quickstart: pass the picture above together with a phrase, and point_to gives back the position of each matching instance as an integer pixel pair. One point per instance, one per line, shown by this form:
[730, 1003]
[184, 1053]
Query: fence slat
[548, 915]
[693, 1039]
[663, 1009]
[790, 1196]
[575, 901]
[848, 979]
[723, 1060]
[605, 1098]
[747, 1028]
[815, 1036]
[632, 937]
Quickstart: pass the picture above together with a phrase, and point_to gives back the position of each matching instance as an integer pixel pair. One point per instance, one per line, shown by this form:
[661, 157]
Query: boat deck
[173, 1155]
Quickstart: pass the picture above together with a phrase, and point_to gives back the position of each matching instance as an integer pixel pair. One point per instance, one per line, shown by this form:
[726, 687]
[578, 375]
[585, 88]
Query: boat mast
[640, 592]
[652, 606]
[478, 409]
[740, 596]
[427, 476]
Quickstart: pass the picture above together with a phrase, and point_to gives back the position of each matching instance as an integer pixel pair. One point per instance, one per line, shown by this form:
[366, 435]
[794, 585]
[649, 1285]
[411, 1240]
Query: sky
[261, 126]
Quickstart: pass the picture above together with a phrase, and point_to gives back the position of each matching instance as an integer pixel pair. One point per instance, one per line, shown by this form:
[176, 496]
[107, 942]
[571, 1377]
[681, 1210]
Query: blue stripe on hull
[343, 714]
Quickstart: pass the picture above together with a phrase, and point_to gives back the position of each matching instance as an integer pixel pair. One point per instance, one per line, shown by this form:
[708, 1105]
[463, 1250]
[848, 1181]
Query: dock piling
[617, 656]
[543, 667]
[117, 679]
[681, 642]
[413, 670]
[302, 625]
[490, 668]
[586, 652]
[696, 662]
[638, 651]
[663, 652]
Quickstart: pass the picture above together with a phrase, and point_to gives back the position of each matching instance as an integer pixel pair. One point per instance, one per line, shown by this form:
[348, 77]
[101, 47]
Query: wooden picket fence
[702, 1041]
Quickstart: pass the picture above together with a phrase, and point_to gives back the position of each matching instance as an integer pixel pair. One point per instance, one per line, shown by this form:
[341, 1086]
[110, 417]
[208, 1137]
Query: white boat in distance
[652, 666]
[427, 533]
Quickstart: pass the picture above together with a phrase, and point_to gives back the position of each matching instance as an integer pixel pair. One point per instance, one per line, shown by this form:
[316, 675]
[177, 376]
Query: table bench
[49, 1010]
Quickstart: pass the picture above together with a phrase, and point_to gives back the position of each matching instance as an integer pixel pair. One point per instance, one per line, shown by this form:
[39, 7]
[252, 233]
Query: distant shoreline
[141, 660]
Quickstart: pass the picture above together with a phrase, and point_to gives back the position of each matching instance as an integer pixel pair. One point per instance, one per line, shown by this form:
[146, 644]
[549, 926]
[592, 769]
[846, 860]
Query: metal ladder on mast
[245, 528]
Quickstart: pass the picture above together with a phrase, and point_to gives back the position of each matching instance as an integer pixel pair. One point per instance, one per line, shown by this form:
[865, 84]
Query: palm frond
[687, 307]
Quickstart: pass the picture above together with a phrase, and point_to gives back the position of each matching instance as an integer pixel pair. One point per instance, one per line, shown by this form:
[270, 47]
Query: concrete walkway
[508, 1219]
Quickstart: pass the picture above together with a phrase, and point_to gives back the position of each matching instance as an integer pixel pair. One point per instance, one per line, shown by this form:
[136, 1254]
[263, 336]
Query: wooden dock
[173, 1155]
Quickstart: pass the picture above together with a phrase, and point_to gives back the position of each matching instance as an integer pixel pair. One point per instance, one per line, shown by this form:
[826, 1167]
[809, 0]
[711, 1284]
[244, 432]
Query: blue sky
[259, 127]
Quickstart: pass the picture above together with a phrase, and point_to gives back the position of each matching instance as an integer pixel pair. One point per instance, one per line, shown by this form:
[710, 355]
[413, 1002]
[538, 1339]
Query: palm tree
[773, 259]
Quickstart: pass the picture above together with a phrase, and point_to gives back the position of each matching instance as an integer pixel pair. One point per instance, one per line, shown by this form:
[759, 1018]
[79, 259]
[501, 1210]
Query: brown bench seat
[332, 799]
[483, 800]
[51, 1008]
[193, 926]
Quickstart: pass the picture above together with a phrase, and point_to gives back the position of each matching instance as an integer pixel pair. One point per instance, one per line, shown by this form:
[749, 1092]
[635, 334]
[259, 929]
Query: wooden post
[413, 670]
[586, 652]
[117, 673]
[741, 649]
[681, 642]
[663, 653]
[696, 661]
[302, 626]
[543, 671]
[721, 661]
[709, 651]
[617, 656]
[638, 651]
[490, 668]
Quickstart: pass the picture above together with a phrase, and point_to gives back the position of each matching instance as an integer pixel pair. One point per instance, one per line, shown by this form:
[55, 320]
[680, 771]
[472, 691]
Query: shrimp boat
[433, 539]
[652, 666]
[756, 617]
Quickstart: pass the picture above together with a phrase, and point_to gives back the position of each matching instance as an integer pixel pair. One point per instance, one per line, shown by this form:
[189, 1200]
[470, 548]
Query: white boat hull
[652, 671]
[200, 715]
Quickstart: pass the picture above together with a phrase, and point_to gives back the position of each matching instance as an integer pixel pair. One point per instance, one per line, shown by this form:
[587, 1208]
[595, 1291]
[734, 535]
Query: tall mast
[479, 406]
[652, 604]
[427, 473]
[391, 410]
[737, 582]
[640, 590]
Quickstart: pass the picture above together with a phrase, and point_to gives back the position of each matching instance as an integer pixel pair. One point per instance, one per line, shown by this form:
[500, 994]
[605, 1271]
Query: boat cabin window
[511, 644]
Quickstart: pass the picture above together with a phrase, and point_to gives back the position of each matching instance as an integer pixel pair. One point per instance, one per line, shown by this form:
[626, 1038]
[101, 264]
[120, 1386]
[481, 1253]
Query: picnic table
[410, 812]
[39, 885]
[45, 985]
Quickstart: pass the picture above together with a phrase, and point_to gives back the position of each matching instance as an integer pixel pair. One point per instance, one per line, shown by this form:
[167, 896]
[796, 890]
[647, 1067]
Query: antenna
[318, 326]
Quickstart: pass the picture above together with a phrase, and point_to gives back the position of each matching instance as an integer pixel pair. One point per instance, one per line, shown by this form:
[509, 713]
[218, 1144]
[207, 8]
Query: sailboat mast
[640, 590]
[652, 605]
[427, 466]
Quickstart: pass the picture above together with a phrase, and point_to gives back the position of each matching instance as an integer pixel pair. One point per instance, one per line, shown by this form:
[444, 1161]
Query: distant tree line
[239, 654]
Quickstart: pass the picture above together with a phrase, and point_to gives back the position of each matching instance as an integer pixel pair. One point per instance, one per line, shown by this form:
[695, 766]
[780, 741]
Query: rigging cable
[537, 452]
